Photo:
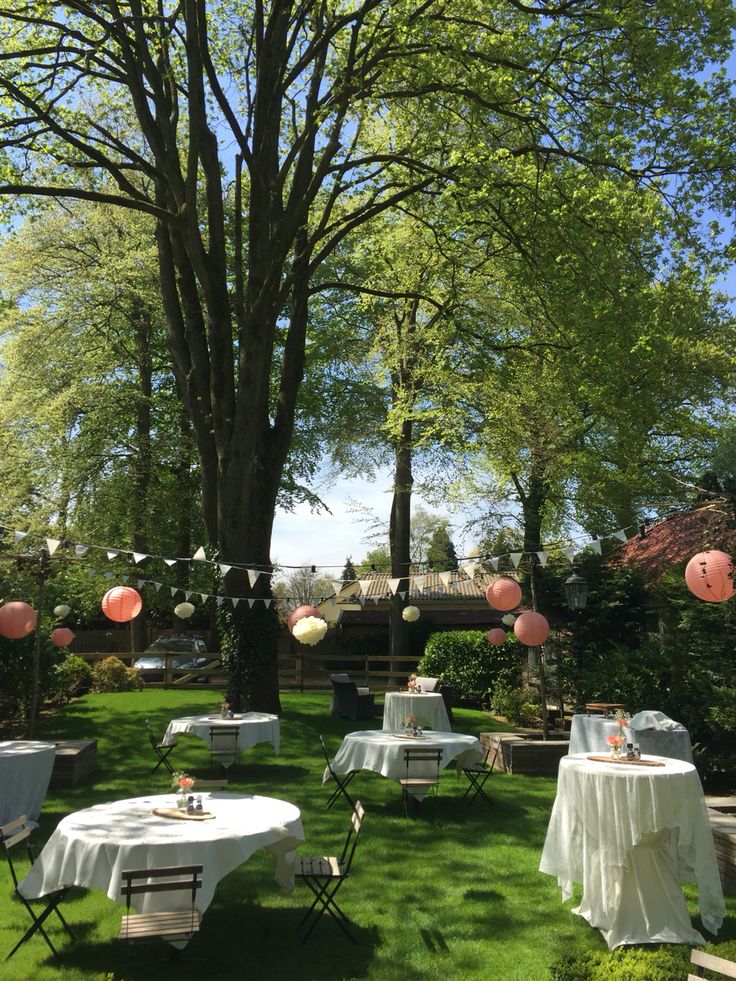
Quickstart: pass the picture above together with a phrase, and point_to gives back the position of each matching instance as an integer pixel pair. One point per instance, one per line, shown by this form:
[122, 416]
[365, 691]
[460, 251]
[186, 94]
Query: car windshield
[175, 645]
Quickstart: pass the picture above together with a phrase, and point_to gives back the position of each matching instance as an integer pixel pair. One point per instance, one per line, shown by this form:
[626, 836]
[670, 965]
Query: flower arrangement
[412, 682]
[622, 719]
[224, 708]
[309, 630]
[410, 613]
[616, 742]
[181, 781]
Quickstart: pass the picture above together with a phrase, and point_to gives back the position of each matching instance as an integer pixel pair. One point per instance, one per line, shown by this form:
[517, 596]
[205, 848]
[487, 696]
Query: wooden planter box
[723, 827]
[75, 759]
[521, 754]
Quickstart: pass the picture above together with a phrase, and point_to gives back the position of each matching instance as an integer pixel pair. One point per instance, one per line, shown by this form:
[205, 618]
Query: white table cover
[254, 727]
[382, 752]
[630, 835]
[427, 708]
[92, 847]
[25, 771]
[589, 734]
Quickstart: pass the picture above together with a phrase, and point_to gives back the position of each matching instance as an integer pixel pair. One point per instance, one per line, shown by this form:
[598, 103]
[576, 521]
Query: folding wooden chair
[177, 925]
[12, 834]
[160, 750]
[477, 773]
[224, 744]
[324, 876]
[341, 782]
[414, 783]
[709, 962]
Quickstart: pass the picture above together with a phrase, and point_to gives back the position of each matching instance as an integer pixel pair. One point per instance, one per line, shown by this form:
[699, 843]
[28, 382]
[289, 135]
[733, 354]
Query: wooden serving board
[406, 735]
[612, 759]
[177, 815]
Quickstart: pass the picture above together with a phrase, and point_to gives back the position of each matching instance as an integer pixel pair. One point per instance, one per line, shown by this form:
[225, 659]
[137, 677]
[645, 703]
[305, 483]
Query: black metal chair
[478, 773]
[340, 781]
[349, 700]
[11, 834]
[324, 875]
[224, 744]
[414, 783]
[170, 926]
[162, 751]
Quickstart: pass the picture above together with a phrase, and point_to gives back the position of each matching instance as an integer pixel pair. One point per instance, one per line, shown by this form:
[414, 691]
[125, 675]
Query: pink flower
[612, 740]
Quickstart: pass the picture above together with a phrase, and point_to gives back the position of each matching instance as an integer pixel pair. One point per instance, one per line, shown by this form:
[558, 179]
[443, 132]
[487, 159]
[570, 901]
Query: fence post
[299, 667]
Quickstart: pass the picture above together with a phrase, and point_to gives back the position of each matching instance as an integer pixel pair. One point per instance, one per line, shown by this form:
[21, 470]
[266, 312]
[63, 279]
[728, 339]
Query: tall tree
[260, 145]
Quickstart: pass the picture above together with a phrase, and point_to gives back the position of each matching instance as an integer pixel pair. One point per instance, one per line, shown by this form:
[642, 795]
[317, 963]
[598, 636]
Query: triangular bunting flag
[52, 544]
[253, 575]
[376, 599]
[569, 553]
[361, 599]
[124, 578]
[494, 563]
[112, 553]
[446, 578]
[79, 550]
[187, 593]
[220, 600]
[224, 569]
[620, 534]
[337, 586]
[469, 569]
[18, 536]
[139, 557]
[251, 601]
[267, 603]
[393, 585]
[141, 582]
[108, 575]
[543, 556]
[204, 597]
[173, 590]
[403, 595]
[234, 600]
[364, 585]
[516, 558]
[200, 555]
[157, 586]
[596, 544]
[170, 562]
[419, 582]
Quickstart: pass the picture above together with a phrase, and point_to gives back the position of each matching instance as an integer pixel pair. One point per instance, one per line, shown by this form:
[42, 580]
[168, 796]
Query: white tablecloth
[25, 771]
[630, 835]
[382, 752]
[92, 847]
[427, 708]
[253, 727]
[588, 734]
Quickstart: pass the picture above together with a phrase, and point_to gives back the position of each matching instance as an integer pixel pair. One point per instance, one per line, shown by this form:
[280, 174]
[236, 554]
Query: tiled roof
[375, 585]
[677, 537]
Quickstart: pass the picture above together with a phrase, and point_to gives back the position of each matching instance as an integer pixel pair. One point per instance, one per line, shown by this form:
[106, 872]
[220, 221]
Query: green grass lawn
[459, 899]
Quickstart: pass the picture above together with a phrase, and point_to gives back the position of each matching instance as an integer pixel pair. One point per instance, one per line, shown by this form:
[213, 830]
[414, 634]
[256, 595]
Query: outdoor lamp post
[576, 594]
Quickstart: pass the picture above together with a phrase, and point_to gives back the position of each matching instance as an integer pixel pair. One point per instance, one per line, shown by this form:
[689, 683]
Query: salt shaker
[199, 803]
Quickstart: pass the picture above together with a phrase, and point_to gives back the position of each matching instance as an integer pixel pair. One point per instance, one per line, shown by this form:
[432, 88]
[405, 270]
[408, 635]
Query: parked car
[190, 653]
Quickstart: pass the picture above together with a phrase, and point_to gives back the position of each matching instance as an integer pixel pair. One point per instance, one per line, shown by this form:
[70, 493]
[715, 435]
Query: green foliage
[110, 674]
[515, 704]
[465, 660]
[16, 671]
[441, 552]
[72, 676]
[631, 963]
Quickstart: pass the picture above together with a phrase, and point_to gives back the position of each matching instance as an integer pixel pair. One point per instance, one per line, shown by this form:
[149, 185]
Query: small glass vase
[181, 800]
[615, 752]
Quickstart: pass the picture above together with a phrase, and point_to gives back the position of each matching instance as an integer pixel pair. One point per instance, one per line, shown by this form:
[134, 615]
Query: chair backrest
[340, 677]
[492, 754]
[178, 878]
[710, 962]
[417, 754]
[149, 730]
[224, 737]
[11, 834]
[427, 684]
[351, 842]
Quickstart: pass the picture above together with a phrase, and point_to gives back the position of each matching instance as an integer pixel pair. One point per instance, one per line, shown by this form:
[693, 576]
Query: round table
[253, 727]
[25, 771]
[630, 834]
[92, 847]
[589, 734]
[383, 752]
[428, 708]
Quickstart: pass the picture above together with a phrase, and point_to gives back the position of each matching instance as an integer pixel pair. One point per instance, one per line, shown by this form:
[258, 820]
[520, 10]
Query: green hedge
[465, 660]
[665, 963]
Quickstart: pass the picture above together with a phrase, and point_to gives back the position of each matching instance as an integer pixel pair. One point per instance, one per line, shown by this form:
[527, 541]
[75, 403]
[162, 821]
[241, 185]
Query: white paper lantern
[509, 619]
[184, 610]
[62, 610]
[410, 613]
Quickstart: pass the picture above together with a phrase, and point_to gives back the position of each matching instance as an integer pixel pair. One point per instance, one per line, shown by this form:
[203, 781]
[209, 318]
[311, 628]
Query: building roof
[426, 586]
[677, 537]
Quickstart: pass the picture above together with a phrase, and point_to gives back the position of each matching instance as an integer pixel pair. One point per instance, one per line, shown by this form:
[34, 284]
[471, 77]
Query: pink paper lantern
[62, 637]
[709, 575]
[122, 603]
[17, 619]
[531, 628]
[496, 636]
[504, 594]
[300, 612]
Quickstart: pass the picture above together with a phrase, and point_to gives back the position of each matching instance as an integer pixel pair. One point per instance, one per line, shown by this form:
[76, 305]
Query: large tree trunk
[399, 539]
[142, 462]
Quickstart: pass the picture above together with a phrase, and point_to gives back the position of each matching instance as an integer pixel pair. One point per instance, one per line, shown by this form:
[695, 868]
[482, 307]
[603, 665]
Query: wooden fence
[302, 670]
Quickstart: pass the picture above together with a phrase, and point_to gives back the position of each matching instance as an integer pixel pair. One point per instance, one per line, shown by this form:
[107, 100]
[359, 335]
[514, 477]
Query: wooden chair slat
[712, 963]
